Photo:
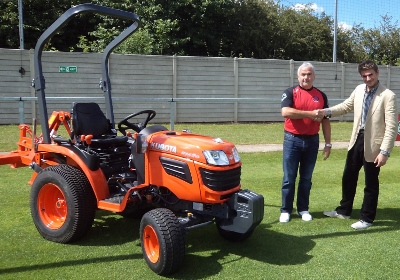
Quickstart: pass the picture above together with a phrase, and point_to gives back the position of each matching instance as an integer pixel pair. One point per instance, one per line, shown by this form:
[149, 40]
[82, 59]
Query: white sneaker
[334, 214]
[305, 216]
[361, 225]
[284, 218]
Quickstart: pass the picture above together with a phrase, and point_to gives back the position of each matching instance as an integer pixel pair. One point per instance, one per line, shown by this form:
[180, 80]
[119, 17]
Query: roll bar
[39, 82]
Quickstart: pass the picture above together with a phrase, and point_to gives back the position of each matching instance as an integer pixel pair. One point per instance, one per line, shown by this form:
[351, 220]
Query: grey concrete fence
[180, 89]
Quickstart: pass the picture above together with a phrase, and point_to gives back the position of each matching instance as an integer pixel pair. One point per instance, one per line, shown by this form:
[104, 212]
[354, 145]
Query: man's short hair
[306, 65]
[367, 65]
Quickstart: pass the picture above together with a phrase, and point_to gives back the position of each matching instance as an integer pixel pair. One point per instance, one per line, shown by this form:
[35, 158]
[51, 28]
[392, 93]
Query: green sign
[68, 69]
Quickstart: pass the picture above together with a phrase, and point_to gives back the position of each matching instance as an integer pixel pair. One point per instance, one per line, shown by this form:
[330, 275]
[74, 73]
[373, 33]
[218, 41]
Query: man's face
[306, 77]
[370, 78]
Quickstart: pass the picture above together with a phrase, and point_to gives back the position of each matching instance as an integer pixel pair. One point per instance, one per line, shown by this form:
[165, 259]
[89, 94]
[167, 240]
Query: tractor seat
[89, 119]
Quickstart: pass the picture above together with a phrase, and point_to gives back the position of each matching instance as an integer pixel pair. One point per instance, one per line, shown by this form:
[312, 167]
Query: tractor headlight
[216, 157]
[236, 154]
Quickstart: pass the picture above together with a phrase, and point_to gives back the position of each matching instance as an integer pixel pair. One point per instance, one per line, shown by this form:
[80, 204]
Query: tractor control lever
[88, 140]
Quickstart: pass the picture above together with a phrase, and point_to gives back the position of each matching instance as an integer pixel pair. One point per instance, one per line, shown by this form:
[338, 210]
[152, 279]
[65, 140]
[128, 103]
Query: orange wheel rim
[52, 206]
[151, 244]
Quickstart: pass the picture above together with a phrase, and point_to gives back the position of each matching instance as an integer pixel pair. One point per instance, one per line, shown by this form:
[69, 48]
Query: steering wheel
[126, 124]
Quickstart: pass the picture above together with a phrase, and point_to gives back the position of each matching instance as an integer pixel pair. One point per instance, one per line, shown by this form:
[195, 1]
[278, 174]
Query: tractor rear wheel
[62, 203]
[163, 241]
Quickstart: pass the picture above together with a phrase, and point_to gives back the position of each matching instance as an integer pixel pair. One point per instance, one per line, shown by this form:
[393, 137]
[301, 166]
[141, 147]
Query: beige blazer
[381, 124]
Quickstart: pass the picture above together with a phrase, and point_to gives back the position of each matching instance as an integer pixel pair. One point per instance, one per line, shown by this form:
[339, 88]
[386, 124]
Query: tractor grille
[221, 180]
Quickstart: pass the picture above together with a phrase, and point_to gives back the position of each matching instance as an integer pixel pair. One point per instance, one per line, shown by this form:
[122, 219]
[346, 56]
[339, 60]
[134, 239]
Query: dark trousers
[354, 161]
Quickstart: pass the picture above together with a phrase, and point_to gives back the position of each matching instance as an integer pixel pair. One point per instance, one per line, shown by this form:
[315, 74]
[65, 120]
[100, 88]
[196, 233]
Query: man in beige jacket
[372, 140]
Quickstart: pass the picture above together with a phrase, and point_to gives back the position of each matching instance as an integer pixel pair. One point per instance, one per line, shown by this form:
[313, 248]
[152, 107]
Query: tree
[256, 23]
[9, 25]
[38, 16]
[227, 28]
[349, 45]
[304, 36]
[381, 43]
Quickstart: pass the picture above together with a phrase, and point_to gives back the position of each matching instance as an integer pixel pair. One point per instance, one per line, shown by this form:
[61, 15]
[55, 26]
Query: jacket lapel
[375, 102]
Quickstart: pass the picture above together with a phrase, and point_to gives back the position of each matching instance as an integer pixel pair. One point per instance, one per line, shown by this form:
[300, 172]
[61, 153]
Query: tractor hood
[191, 145]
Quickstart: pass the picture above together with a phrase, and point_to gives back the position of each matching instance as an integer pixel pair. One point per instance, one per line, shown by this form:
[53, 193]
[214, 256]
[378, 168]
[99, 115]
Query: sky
[365, 12]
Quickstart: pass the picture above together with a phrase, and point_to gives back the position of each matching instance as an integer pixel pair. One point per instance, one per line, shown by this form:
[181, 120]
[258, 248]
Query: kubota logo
[163, 147]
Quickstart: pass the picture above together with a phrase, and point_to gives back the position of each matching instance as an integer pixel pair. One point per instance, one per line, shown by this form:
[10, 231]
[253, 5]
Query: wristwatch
[328, 113]
[383, 152]
[328, 145]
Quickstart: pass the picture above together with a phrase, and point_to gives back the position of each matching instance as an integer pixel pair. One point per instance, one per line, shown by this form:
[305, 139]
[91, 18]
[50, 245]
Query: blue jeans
[299, 155]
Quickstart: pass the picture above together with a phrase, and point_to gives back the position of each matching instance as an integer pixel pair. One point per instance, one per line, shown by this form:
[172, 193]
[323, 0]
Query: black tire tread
[172, 241]
[83, 205]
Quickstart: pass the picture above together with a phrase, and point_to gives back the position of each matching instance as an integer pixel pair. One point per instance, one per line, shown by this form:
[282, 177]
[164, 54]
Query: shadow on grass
[387, 219]
[264, 245]
[110, 229]
[269, 246]
[71, 263]
[210, 252]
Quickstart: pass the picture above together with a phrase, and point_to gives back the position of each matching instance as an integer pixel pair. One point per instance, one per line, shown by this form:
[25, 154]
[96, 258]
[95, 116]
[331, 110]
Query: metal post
[21, 25]
[172, 114]
[174, 88]
[21, 111]
[335, 32]
[236, 88]
[291, 73]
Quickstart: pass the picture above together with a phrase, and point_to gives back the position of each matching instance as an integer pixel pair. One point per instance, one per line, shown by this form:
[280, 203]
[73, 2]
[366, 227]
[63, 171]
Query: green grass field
[238, 133]
[324, 248]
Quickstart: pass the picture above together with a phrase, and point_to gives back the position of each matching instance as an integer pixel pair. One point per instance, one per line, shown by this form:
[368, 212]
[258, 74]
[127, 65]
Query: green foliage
[219, 28]
[350, 46]
[381, 43]
[304, 36]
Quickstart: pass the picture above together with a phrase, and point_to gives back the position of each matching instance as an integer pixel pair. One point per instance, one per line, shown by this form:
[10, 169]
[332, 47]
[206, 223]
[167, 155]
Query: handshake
[318, 115]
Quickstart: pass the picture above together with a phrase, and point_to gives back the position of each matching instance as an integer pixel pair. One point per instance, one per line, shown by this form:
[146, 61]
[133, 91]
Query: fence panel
[204, 89]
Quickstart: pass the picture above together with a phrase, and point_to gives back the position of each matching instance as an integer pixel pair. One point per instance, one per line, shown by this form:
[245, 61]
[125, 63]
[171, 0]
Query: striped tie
[368, 96]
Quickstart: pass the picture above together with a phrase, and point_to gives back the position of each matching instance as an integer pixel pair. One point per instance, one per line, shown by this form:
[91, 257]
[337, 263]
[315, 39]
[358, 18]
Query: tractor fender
[95, 175]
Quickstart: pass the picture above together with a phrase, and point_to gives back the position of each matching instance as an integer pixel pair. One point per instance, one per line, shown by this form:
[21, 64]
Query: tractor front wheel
[62, 203]
[163, 241]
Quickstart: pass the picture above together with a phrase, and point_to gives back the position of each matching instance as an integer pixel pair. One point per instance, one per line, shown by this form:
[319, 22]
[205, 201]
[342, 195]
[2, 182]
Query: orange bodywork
[187, 148]
[182, 147]
[31, 149]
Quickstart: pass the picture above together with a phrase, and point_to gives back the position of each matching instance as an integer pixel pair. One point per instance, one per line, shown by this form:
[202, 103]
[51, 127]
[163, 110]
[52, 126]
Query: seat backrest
[87, 118]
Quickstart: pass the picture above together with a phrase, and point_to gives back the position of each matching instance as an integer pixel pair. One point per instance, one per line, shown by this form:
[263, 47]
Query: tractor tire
[163, 241]
[233, 236]
[63, 204]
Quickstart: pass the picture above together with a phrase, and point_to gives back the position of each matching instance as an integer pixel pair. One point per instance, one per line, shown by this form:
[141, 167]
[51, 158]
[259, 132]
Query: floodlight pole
[335, 31]
[21, 25]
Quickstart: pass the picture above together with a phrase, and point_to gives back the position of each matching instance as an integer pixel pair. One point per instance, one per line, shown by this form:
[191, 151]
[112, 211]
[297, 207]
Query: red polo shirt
[305, 100]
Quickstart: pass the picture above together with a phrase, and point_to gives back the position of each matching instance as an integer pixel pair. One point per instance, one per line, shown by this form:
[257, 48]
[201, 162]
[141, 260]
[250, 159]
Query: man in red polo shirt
[299, 106]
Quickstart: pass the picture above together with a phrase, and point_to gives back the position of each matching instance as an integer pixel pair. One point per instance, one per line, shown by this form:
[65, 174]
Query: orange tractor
[175, 181]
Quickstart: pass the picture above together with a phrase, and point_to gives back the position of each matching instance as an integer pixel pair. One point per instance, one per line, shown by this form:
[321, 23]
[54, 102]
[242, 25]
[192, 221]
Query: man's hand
[318, 115]
[380, 160]
[326, 152]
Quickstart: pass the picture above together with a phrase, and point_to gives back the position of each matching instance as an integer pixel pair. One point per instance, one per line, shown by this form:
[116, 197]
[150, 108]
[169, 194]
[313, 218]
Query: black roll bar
[39, 82]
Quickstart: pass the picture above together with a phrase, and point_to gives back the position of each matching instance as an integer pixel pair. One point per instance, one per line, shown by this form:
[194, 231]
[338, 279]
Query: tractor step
[114, 204]
[117, 199]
